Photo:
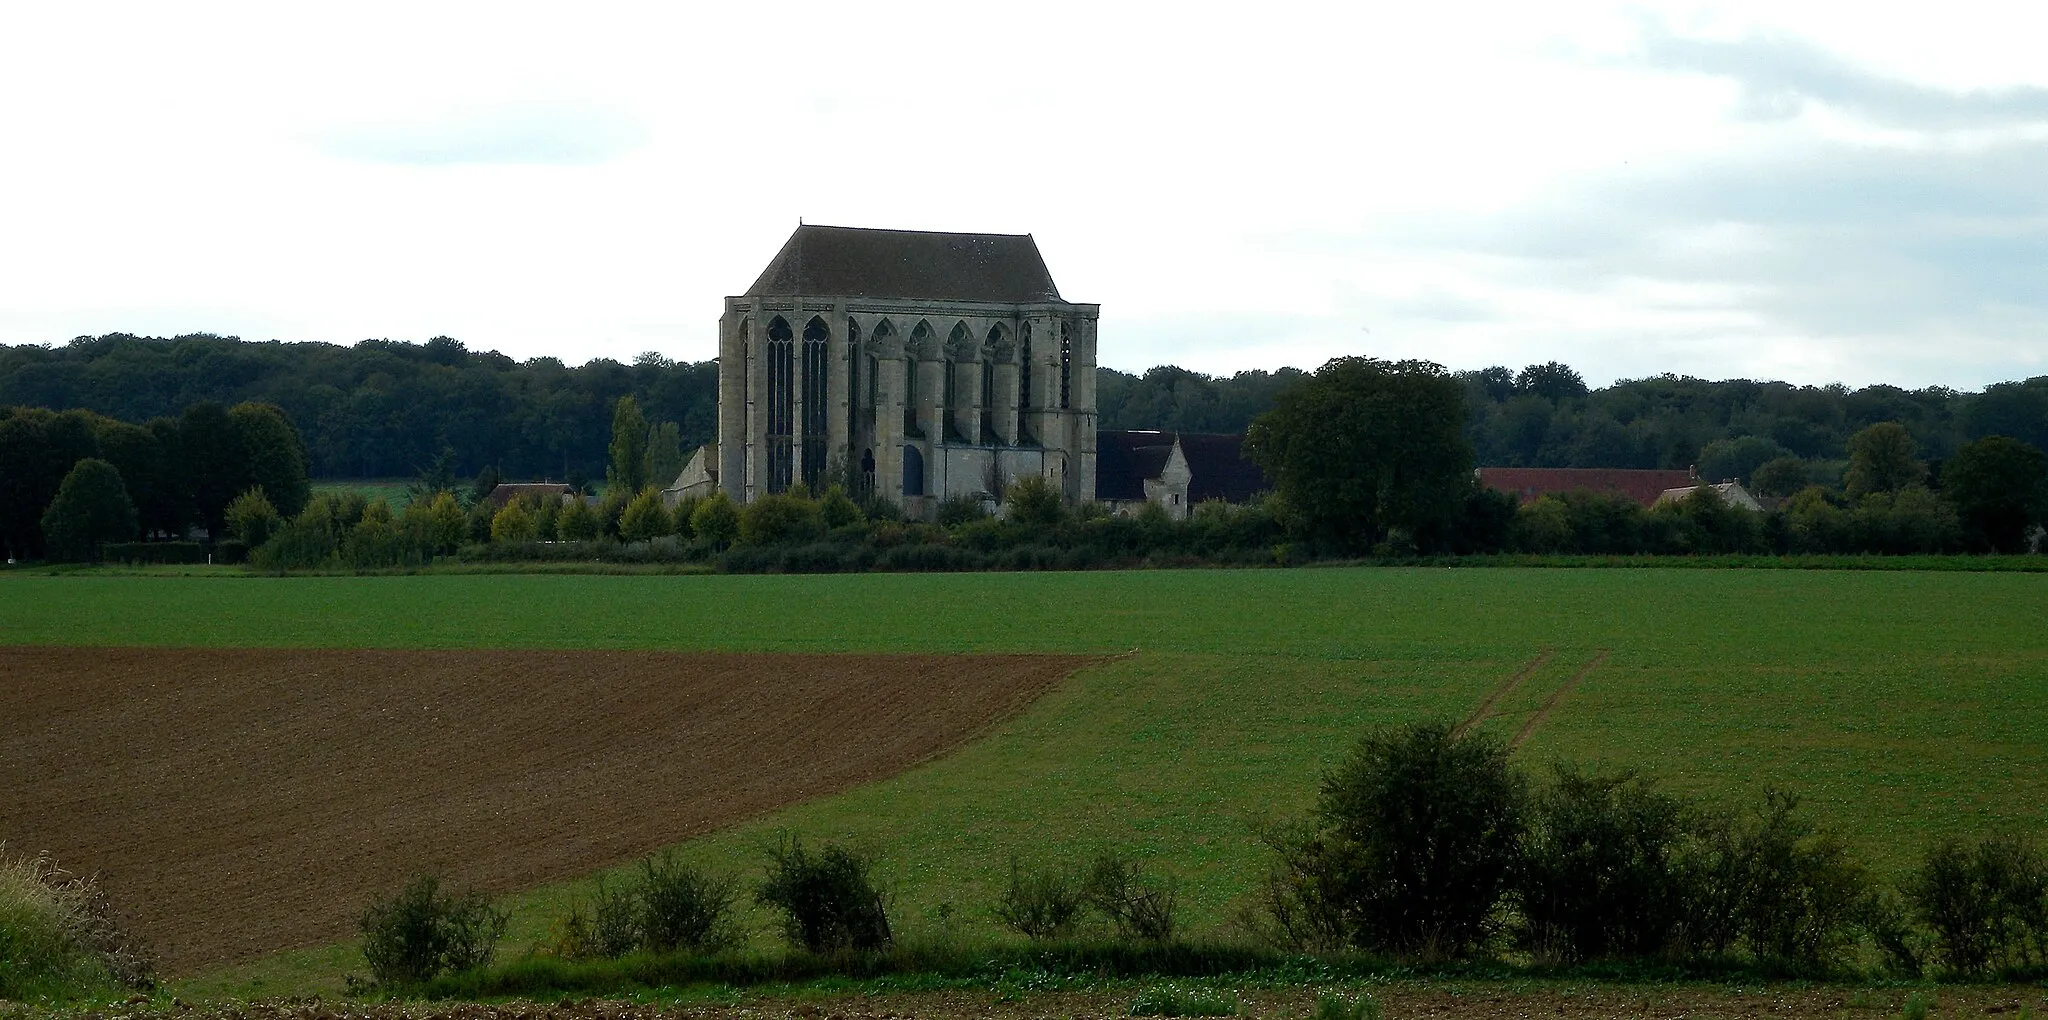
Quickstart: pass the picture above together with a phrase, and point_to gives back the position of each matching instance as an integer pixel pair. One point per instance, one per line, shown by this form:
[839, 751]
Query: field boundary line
[1485, 709]
[1555, 697]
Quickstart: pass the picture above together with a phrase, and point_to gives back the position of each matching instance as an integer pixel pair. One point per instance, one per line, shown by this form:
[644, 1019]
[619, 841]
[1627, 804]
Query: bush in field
[1142, 906]
[1987, 904]
[1040, 904]
[251, 518]
[671, 906]
[645, 518]
[422, 931]
[1598, 875]
[1770, 882]
[827, 899]
[58, 939]
[1414, 840]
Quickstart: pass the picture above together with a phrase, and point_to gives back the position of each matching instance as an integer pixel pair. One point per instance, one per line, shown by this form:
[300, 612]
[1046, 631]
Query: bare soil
[1481, 1001]
[240, 801]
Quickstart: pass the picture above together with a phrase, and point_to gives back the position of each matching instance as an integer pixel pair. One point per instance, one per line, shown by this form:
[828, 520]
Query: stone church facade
[912, 365]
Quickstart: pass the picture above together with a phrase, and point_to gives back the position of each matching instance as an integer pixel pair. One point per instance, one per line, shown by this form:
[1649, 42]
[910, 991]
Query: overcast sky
[1817, 193]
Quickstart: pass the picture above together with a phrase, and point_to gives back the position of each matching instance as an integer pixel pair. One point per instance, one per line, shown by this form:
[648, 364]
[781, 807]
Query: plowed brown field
[239, 801]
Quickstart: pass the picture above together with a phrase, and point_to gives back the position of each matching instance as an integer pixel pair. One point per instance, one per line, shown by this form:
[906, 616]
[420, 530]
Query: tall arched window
[1023, 379]
[781, 369]
[1066, 367]
[817, 337]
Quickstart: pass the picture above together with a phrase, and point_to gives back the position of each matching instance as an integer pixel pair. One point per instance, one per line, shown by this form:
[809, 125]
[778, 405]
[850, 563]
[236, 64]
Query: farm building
[1731, 493]
[915, 365]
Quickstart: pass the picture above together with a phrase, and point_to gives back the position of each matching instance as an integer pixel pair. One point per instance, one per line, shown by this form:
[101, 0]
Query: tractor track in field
[1485, 710]
[1543, 714]
[235, 802]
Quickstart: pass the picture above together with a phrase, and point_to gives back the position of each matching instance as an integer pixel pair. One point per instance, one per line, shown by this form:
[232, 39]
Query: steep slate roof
[1125, 460]
[1217, 468]
[915, 264]
[1525, 484]
[506, 492]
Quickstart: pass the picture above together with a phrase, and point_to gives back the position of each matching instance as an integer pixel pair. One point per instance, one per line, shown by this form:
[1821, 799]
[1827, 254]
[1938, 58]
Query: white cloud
[1809, 190]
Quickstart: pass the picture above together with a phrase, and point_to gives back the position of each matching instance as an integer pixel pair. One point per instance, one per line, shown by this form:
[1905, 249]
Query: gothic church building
[913, 365]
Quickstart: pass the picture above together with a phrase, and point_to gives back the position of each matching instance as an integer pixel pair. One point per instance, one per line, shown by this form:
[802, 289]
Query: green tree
[664, 453]
[1780, 476]
[251, 519]
[1737, 459]
[91, 507]
[839, 509]
[781, 517]
[1365, 446]
[716, 520]
[644, 518]
[628, 470]
[37, 449]
[445, 526]
[1033, 502]
[271, 455]
[513, 523]
[577, 521]
[1999, 486]
[1882, 459]
[213, 463]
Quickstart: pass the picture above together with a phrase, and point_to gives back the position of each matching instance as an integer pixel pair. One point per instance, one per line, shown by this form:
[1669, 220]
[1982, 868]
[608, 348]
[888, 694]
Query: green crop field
[1901, 705]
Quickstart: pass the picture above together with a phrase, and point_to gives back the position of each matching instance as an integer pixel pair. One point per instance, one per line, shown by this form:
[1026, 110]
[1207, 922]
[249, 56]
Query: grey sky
[1812, 192]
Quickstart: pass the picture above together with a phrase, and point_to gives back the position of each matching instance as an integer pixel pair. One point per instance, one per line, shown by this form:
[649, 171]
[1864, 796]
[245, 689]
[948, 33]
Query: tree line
[75, 479]
[380, 408]
[386, 409]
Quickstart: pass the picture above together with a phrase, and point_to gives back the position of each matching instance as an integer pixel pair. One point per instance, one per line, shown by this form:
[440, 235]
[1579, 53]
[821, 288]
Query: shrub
[1034, 503]
[306, 542]
[954, 511]
[783, 517]
[1170, 1000]
[58, 939]
[1334, 1007]
[684, 908]
[1040, 904]
[251, 518]
[1141, 906]
[1771, 882]
[1987, 904]
[1419, 831]
[827, 899]
[445, 525]
[422, 931]
[1598, 868]
[645, 517]
[716, 520]
[838, 509]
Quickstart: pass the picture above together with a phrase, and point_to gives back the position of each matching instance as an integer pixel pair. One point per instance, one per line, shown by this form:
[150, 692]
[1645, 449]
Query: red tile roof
[1528, 483]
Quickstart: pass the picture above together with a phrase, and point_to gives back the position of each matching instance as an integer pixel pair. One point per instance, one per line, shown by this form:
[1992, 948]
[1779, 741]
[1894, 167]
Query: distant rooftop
[912, 264]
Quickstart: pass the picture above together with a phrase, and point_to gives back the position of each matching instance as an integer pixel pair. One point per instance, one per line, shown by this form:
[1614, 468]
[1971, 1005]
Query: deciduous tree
[91, 507]
[628, 470]
[1999, 486]
[1365, 446]
[1882, 459]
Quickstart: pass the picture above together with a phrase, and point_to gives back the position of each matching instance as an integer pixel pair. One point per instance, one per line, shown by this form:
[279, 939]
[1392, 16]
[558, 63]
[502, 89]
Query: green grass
[1902, 705]
[390, 490]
